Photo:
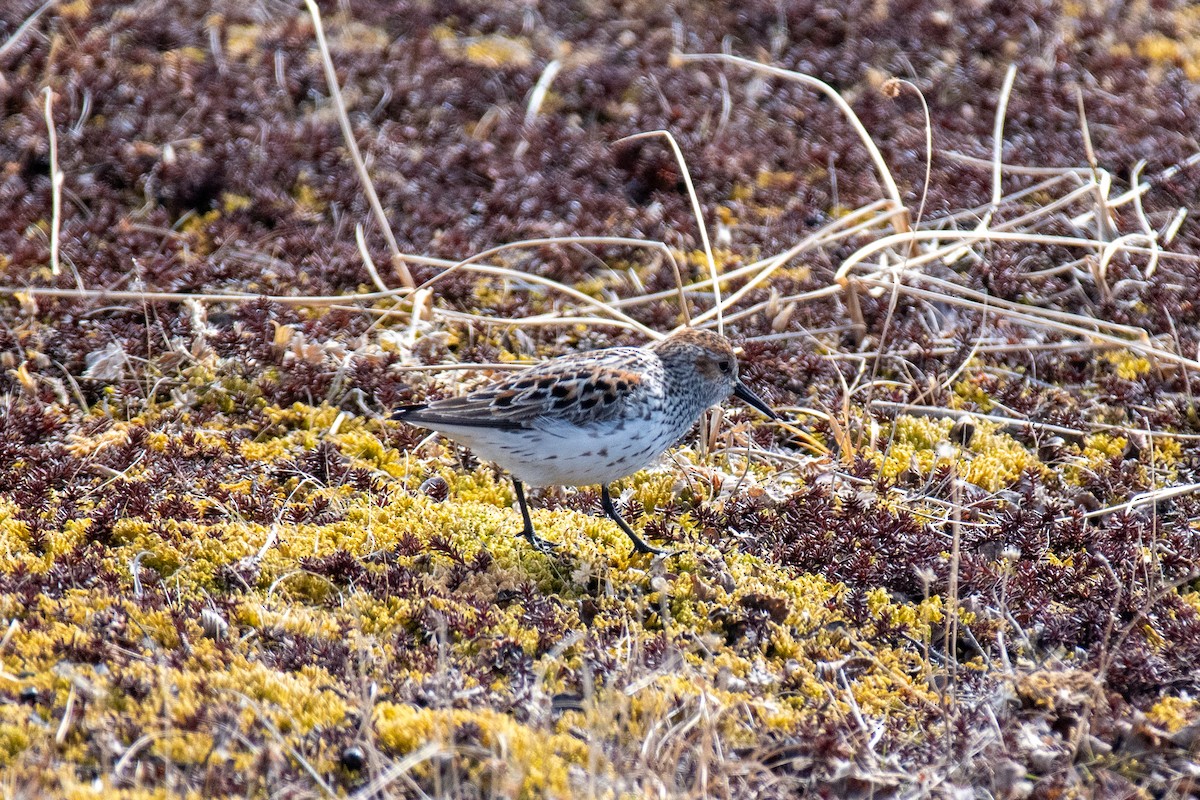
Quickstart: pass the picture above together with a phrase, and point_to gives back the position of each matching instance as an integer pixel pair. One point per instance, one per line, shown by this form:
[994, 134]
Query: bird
[591, 418]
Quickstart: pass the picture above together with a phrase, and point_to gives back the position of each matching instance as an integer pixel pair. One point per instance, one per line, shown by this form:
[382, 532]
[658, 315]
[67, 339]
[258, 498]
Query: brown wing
[576, 389]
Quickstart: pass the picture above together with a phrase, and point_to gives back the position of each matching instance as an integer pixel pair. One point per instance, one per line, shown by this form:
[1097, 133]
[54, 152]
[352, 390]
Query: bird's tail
[402, 412]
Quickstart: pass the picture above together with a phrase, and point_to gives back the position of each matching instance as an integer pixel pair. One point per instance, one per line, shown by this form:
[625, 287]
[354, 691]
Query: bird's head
[706, 359]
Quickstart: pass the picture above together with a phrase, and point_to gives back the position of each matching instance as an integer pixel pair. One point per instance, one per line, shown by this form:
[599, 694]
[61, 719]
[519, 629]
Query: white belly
[566, 455]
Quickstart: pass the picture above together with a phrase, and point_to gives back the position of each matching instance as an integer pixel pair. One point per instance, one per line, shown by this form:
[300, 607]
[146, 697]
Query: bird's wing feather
[580, 389]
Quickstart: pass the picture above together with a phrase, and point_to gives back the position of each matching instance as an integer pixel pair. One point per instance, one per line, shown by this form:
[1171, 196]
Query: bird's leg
[538, 542]
[611, 510]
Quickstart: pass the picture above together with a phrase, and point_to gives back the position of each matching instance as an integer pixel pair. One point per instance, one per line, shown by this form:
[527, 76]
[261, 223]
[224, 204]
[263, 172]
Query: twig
[542, 320]
[955, 413]
[1142, 499]
[968, 238]
[828, 234]
[365, 297]
[396, 771]
[895, 92]
[1047, 319]
[183, 297]
[1100, 178]
[64, 727]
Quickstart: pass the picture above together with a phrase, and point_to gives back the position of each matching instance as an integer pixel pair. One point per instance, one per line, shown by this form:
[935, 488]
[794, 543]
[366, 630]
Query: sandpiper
[591, 418]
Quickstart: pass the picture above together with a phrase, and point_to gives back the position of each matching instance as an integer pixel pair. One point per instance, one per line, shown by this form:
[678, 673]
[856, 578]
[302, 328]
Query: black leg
[538, 542]
[639, 545]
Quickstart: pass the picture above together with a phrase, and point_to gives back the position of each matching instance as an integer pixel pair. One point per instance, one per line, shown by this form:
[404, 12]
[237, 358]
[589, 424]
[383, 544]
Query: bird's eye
[724, 366]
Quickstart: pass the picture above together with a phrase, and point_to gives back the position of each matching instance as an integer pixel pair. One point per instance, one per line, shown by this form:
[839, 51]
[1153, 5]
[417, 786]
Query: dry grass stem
[25, 26]
[701, 225]
[368, 262]
[828, 235]
[608, 309]
[335, 93]
[998, 144]
[900, 218]
[56, 183]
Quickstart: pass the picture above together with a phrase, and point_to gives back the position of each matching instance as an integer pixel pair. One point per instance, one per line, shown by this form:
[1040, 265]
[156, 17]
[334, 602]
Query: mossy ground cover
[224, 573]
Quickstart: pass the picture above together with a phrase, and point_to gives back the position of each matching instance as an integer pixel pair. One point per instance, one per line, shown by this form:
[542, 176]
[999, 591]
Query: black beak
[754, 401]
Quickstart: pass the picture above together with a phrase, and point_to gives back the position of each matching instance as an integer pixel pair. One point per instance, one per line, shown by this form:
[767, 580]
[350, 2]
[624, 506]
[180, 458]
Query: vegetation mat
[956, 246]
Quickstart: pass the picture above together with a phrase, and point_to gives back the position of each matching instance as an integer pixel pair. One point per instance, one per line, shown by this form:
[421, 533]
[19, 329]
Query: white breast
[561, 454]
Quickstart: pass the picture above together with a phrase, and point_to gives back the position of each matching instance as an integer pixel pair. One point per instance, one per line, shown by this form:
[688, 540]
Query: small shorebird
[591, 418]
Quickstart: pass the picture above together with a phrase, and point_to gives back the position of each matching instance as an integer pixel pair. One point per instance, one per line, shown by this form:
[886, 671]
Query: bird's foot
[541, 545]
[640, 545]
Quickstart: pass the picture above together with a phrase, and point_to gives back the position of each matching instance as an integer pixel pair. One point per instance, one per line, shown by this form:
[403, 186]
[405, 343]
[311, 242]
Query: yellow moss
[84, 446]
[268, 451]
[365, 446]
[1167, 451]
[992, 461]
[197, 225]
[183, 56]
[241, 41]
[1128, 365]
[348, 34]
[511, 627]
[128, 529]
[698, 259]
[741, 192]
[301, 417]
[182, 672]
[1153, 637]
[13, 739]
[1157, 47]
[184, 747]
[998, 460]
[158, 440]
[71, 535]
[75, 10]
[537, 761]
[442, 33]
[498, 51]
[771, 179]
[1192, 598]
[92, 789]
[231, 202]
[308, 202]
[1104, 446]
[1161, 49]
[14, 544]
[1174, 713]
[1098, 450]
[969, 391]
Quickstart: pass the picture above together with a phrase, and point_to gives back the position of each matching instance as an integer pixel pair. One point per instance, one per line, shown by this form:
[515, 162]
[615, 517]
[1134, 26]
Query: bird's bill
[754, 401]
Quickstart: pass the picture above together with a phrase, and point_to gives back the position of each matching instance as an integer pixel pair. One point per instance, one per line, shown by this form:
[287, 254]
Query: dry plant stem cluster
[885, 262]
